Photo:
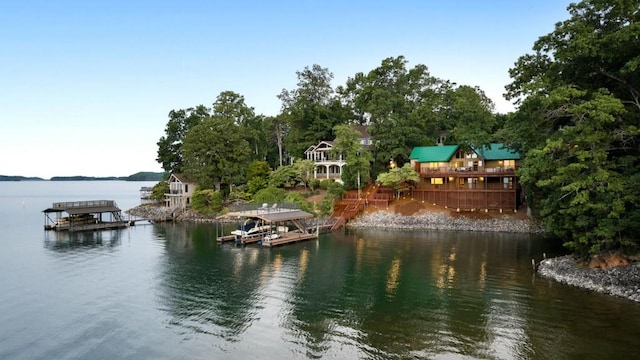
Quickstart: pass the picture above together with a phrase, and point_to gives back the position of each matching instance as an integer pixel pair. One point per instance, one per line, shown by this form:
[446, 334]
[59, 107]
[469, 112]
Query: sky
[86, 86]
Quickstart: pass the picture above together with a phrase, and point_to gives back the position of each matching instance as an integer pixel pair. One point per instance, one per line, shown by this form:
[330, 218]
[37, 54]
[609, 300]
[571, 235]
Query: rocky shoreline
[621, 281]
[443, 221]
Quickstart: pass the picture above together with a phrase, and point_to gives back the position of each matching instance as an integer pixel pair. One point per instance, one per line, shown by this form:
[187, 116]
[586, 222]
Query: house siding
[467, 181]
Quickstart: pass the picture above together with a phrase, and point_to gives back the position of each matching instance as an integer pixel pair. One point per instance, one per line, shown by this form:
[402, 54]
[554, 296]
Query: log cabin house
[478, 179]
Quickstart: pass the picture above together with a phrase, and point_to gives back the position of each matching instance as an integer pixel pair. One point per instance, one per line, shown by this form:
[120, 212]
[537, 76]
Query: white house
[180, 191]
[328, 165]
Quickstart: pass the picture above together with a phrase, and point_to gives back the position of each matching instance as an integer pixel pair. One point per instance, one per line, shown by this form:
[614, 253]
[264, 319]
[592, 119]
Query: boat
[270, 226]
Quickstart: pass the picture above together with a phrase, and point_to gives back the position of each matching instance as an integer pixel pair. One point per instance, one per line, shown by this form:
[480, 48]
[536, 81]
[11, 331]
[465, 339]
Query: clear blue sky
[86, 86]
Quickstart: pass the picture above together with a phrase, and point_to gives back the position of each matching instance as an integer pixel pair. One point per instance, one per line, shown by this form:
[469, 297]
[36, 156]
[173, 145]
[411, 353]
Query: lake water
[170, 291]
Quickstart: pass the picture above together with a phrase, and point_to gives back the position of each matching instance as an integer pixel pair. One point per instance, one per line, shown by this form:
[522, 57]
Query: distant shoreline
[140, 176]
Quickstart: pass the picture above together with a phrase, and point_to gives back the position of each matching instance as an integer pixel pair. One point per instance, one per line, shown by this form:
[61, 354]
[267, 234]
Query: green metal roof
[497, 151]
[433, 153]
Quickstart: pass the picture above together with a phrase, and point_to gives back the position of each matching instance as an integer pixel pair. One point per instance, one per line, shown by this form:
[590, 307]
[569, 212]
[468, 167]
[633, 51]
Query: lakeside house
[181, 190]
[478, 179]
[329, 165]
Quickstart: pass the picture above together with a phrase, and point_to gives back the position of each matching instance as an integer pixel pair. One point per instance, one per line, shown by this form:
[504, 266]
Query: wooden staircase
[350, 206]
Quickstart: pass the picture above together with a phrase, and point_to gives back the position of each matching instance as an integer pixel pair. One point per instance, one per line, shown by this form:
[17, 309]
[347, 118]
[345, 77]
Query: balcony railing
[466, 171]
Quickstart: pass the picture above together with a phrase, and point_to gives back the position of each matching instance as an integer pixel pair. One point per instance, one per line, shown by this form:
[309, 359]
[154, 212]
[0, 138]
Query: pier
[271, 226]
[84, 216]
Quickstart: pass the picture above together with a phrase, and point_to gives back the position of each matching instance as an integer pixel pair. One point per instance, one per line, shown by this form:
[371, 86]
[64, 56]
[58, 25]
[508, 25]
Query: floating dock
[84, 216]
[278, 226]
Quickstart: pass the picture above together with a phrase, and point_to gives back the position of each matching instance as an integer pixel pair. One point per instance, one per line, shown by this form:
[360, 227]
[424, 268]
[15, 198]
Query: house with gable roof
[478, 179]
[328, 165]
[181, 190]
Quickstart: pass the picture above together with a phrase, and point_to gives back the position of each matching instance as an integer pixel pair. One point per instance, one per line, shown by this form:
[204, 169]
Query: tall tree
[398, 103]
[470, 118]
[357, 170]
[170, 145]
[215, 152]
[578, 123]
[312, 109]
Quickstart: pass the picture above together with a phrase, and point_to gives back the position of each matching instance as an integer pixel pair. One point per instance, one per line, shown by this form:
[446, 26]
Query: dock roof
[271, 215]
[83, 207]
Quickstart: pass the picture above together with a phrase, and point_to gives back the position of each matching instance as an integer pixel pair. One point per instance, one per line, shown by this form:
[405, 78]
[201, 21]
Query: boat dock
[270, 226]
[84, 216]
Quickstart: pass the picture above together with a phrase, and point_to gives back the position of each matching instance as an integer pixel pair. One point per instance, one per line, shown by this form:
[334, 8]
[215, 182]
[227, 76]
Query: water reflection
[64, 241]
[362, 294]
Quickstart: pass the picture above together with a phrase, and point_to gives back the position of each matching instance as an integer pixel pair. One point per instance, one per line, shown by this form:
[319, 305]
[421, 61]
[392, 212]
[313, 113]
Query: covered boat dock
[284, 226]
[84, 216]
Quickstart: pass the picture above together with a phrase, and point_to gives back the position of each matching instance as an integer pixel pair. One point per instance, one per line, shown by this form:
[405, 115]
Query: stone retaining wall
[442, 221]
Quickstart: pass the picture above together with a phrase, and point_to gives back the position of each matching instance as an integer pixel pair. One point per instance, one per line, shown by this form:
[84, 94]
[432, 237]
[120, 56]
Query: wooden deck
[288, 238]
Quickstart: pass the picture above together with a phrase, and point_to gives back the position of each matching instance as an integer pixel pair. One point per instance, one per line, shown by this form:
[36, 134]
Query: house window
[437, 181]
[508, 182]
[186, 188]
[509, 164]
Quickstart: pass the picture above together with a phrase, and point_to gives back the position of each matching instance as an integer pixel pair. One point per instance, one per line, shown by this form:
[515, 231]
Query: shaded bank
[622, 281]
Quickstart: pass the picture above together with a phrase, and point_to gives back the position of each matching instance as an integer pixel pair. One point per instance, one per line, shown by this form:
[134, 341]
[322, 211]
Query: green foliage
[215, 152]
[207, 201]
[311, 110]
[147, 176]
[578, 124]
[170, 145]
[324, 184]
[159, 190]
[304, 171]
[357, 170]
[239, 193]
[284, 177]
[257, 169]
[335, 190]
[268, 195]
[326, 206]
[398, 177]
[298, 198]
[256, 184]
[399, 104]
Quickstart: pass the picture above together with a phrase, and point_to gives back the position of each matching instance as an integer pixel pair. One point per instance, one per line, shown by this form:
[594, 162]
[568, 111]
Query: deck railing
[83, 204]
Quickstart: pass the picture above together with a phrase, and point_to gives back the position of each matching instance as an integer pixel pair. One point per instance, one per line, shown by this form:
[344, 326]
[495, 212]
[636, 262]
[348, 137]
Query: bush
[207, 201]
[270, 194]
[335, 190]
[324, 184]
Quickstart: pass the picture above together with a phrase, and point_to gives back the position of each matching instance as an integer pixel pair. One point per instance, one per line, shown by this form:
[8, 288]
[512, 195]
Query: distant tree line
[577, 127]
[140, 176]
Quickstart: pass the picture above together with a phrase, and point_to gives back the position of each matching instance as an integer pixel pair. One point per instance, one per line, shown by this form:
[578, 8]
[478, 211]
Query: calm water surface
[171, 291]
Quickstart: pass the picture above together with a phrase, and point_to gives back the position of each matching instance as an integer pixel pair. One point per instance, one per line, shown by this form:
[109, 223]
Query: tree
[207, 201]
[304, 171]
[215, 152]
[578, 124]
[284, 176]
[398, 104]
[398, 178]
[311, 110]
[470, 118]
[358, 160]
[170, 145]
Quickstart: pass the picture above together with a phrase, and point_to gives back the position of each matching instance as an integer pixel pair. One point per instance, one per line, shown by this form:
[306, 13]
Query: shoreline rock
[620, 281]
[443, 221]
